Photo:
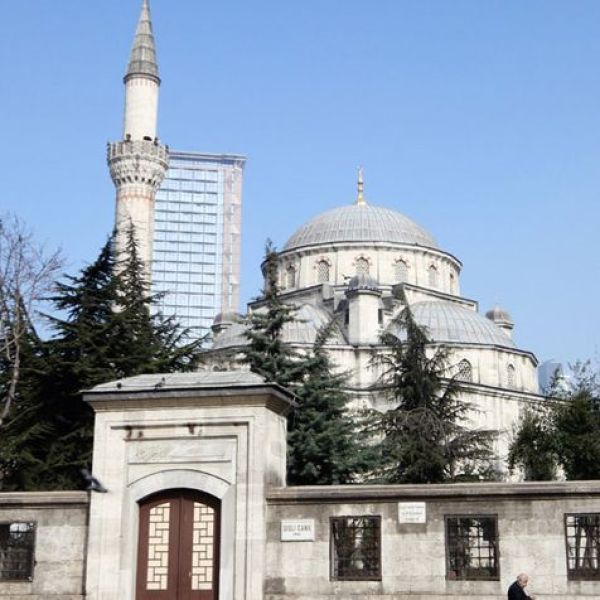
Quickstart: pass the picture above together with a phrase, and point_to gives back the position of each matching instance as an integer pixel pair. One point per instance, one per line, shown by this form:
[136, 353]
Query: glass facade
[197, 236]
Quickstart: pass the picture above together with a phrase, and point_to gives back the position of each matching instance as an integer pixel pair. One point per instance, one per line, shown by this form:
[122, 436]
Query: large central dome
[360, 223]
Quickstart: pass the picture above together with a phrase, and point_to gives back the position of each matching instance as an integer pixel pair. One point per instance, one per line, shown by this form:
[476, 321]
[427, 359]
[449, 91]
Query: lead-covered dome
[453, 323]
[360, 223]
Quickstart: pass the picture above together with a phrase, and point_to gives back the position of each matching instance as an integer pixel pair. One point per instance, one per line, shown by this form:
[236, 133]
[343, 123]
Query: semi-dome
[360, 223]
[453, 323]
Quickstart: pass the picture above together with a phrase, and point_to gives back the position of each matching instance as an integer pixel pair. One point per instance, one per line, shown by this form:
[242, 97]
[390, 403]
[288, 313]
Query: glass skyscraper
[197, 237]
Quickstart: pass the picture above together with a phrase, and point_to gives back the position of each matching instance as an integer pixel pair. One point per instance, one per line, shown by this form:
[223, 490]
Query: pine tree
[266, 353]
[107, 331]
[324, 446]
[425, 437]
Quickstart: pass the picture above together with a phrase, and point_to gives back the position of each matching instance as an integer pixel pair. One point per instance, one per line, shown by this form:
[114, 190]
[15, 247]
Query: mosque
[360, 264]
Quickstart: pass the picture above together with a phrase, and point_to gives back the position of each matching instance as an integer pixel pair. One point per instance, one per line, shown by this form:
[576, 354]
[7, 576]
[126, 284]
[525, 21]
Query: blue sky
[479, 120]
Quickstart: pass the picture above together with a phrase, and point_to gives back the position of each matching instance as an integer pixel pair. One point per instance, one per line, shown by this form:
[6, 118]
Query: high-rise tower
[138, 163]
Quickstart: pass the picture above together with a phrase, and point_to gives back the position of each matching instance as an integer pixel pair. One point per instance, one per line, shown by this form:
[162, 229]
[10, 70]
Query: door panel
[178, 547]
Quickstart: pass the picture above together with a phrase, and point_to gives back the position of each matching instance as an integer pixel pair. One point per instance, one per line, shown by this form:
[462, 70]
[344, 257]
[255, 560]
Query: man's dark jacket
[516, 592]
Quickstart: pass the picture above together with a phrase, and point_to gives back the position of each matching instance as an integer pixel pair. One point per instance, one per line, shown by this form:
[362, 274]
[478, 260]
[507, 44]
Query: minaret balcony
[138, 162]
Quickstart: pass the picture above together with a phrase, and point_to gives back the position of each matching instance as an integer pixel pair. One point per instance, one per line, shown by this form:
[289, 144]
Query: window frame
[580, 574]
[333, 576]
[488, 577]
[31, 565]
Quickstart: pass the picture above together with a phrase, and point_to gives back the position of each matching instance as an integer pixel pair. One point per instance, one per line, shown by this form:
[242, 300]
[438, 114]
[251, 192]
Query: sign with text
[412, 512]
[299, 530]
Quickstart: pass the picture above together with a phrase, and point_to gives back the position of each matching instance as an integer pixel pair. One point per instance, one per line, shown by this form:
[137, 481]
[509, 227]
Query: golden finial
[360, 198]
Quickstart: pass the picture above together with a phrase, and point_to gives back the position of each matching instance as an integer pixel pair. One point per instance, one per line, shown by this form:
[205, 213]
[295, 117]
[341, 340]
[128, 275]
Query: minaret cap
[360, 197]
[142, 61]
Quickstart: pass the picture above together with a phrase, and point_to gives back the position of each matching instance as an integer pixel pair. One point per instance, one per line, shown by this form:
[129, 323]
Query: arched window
[433, 276]
[322, 271]
[400, 271]
[362, 265]
[290, 277]
[511, 376]
[451, 280]
[465, 371]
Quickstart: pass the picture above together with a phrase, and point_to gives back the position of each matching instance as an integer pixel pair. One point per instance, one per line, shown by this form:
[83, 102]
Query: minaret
[138, 163]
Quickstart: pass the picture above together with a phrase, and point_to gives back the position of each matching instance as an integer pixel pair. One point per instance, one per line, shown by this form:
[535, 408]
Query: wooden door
[178, 547]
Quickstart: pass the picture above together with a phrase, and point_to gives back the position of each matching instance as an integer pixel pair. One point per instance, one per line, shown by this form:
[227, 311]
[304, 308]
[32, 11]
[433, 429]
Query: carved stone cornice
[137, 162]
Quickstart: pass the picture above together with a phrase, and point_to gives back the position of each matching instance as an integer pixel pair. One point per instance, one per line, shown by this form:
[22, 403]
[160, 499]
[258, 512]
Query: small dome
[226, 317]
[362, 281]
[449, 322]
[360, 223]
[230, 337]
[499, 315]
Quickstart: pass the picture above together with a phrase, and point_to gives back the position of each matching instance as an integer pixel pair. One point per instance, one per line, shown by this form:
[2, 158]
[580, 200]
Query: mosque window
[355, 548]
[452, 281]
[511, 376]
[362, 266]
[465, 371]
[17, 544]
[472, 547]
[433, 276]
[583, 545]
[323, 271]
[400, 271]
[290, 276]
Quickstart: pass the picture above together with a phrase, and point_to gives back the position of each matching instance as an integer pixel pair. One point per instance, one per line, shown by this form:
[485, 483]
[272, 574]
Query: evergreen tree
[425, 438]
[107, 331]
[324, 446]
[267, 353]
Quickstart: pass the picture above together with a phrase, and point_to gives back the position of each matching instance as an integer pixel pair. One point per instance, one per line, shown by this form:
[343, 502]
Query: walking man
[517, 590]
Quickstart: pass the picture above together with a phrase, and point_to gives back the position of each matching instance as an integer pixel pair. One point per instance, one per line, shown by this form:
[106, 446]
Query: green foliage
[107, 331]
[425, 438]
[563, 433]
[325, 446]
[267, 353]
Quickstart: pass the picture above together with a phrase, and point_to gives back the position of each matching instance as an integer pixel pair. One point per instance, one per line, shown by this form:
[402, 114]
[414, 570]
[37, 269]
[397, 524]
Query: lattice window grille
[510, 376]
[356, 548]
[401, 271]
[433, 276]
[362, 266]
[17, 547]
[472, 547]
[465, 371]
[582, 536]
[290, 277]
[203, 539]
[323, 271]
[158, 547]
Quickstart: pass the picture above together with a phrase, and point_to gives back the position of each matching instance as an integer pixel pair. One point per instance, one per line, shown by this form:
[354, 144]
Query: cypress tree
[425, 437]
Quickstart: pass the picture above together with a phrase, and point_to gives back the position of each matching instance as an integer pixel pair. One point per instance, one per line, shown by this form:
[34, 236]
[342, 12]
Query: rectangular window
[582, 532]
[17, 543]
[355, 544]
[472, 547]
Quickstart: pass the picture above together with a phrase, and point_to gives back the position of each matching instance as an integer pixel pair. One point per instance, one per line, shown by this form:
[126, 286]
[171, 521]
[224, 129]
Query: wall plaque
[298, 530]
[412, 512]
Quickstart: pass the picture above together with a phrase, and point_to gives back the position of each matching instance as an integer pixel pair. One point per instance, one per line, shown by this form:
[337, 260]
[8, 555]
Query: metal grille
[472, 547]
[510, 376]
[17, 544]
[323, 271]
[433, 276]
[583, 545]
[290, 277]
[356, 548]
[465, 371]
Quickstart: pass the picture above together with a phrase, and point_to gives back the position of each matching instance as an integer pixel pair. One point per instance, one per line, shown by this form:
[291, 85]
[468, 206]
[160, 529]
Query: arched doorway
[178, 546]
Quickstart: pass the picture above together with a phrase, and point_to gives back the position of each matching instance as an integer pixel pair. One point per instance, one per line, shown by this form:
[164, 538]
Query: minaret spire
[142, 61]
[360, 197]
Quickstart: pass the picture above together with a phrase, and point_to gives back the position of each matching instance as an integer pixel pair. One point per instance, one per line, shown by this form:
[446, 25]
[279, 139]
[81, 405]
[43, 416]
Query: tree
[324, 445]
[106, 331]
[564, 432]
[425, 438]
[266, 353]
[27, 273]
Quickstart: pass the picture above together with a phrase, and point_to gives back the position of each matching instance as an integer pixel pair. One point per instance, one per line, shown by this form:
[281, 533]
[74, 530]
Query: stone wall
[531, 538]
[60, 538]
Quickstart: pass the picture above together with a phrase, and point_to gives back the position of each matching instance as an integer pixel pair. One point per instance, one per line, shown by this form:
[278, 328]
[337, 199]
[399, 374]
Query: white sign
[412, 512]
[301, 530]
